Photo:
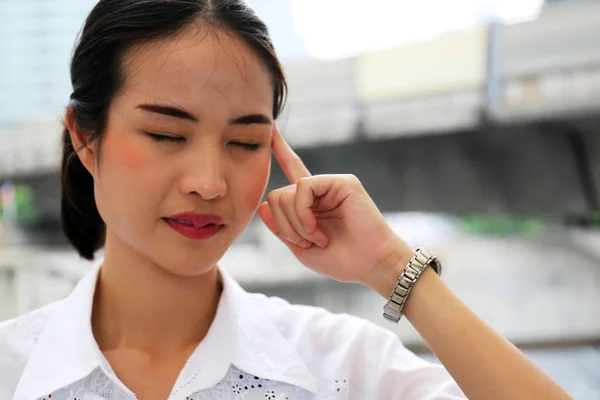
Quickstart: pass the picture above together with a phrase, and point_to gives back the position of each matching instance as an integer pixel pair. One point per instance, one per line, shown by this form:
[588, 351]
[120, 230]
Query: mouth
[196, 226]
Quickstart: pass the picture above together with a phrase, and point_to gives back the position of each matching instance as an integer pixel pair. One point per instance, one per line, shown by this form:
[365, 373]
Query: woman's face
[210, 99]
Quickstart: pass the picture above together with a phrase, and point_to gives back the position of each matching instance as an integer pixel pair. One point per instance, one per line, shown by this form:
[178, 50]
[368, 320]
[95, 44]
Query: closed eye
[164, 138]
[246, 146]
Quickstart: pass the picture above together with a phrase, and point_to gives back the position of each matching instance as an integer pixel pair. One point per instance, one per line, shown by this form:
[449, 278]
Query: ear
[79, 138]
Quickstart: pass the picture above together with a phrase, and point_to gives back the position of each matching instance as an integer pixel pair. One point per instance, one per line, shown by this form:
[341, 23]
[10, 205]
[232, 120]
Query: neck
[140, 305]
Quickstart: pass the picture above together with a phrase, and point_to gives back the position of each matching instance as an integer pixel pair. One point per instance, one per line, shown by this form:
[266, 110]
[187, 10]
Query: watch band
[423, 258]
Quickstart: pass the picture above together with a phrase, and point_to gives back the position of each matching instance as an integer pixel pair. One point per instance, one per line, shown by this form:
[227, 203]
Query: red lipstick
[196, 226]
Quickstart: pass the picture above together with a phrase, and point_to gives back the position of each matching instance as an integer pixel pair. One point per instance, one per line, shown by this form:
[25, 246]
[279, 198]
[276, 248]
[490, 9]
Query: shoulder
[296, 321]
[309, 326]
[18, 338]
[352, 353]
[25, 329]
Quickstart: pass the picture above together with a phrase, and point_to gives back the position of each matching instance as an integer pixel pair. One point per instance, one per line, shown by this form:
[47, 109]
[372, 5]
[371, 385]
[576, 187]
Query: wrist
[385, 276]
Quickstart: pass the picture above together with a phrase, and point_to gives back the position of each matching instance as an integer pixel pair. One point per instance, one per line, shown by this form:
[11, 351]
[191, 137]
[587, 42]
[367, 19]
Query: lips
[196, 226]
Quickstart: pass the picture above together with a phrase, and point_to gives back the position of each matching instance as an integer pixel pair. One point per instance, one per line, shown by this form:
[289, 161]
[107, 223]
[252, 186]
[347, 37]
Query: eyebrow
[182, 114]
[168, 111]
[251, 119]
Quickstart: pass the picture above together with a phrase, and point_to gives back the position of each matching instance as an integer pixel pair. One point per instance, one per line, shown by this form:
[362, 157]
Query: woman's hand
[350, 241]
[330, 223]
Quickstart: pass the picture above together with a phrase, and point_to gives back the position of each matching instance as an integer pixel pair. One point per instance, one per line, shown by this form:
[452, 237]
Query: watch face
[437, 265]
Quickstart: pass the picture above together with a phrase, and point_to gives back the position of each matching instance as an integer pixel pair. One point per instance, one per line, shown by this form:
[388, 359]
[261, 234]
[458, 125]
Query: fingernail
[305, 244]
[321, 242]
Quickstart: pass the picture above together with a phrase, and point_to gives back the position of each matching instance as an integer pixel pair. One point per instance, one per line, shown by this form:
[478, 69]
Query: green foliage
[24, 204]
[503, 225]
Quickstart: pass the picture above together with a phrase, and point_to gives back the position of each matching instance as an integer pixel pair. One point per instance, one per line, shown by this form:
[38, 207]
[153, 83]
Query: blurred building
[494, 119]
[279, 17]
[37, 41]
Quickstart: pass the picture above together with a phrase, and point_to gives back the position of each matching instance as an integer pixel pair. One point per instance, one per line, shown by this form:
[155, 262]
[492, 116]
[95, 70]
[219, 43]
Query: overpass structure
[500, 118]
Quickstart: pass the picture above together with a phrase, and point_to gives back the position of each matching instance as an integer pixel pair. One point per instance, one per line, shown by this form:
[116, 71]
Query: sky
[332, 29]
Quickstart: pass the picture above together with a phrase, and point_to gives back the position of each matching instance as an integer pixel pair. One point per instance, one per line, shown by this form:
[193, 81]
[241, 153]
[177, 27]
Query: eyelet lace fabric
[237, 385]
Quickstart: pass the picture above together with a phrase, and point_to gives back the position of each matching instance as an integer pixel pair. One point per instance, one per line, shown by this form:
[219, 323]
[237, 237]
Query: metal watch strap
[423, 258]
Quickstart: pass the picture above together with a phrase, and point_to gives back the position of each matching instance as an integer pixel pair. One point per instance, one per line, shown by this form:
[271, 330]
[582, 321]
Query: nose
[204, 174]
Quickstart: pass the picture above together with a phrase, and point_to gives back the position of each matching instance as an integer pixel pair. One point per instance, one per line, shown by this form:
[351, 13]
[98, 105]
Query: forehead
[199, 67]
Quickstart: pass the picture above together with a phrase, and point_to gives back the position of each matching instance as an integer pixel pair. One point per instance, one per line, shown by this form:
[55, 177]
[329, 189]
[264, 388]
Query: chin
[185, 258]
[189, 264]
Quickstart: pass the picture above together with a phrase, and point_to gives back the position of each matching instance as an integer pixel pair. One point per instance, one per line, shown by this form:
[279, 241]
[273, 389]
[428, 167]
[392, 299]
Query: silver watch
[392, 311]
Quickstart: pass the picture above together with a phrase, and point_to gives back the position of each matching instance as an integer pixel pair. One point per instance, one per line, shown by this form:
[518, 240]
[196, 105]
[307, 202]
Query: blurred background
[473, 124]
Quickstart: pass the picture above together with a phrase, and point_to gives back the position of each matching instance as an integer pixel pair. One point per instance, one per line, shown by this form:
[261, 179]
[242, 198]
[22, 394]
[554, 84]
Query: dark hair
[113, 27]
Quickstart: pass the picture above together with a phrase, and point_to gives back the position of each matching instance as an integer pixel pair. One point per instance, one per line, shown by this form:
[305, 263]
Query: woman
[167, 151]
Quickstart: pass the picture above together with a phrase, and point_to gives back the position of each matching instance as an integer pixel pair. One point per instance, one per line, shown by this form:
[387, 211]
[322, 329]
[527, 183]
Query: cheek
[127, 168]
[123, 150]
[256, 182]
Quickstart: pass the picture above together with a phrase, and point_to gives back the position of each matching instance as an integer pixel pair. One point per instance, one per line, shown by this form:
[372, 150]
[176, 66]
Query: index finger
[292, 166]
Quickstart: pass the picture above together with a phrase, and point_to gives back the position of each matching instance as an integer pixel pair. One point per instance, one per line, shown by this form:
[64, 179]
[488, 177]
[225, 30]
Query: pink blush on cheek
[255, 187]
[126, 152]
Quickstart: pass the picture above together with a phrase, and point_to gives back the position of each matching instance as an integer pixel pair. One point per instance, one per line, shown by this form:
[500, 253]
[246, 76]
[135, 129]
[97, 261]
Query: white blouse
[257, 348]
